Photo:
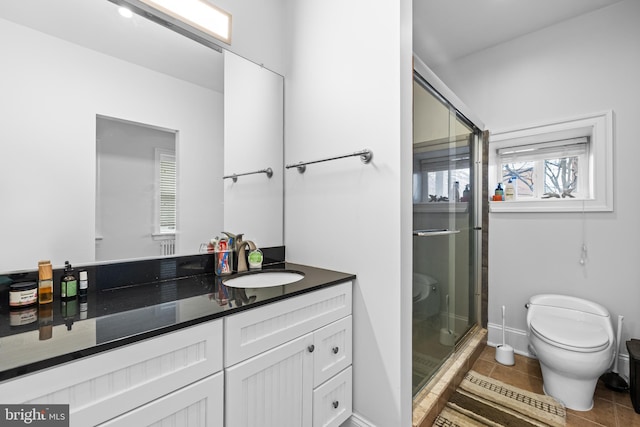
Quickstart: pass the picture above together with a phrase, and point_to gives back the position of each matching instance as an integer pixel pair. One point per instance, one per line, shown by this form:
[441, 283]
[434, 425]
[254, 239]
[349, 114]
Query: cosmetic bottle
[456, 192]
[83, 284]
[255, 259]
[499, 193]
[509, 190]
[466, 193]
[68, 283]
[45, 282]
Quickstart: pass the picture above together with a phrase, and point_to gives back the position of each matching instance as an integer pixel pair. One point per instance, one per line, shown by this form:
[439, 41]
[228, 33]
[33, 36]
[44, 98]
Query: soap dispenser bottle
[68, 283]
[466, 193]
[499, 193]
[509, 190]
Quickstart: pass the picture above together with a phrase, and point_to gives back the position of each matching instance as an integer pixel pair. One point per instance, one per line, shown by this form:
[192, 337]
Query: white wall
[585, 65]
[258, 31]
[348, 87]
[253, 141]
[126, 212]
[51, 93]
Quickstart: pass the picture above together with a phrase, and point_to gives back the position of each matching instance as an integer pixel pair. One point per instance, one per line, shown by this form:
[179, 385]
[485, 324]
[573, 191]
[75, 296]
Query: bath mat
[484, 401]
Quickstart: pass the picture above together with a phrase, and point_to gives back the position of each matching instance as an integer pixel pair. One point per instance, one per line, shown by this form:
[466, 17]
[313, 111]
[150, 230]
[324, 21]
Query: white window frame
[598, 127]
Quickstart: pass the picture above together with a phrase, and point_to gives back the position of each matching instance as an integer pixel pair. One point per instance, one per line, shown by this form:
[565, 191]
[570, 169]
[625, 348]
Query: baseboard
[518, 339]
[357, 421]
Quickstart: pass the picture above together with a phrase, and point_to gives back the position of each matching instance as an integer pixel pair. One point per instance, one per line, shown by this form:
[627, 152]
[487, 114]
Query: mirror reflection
[76, 72]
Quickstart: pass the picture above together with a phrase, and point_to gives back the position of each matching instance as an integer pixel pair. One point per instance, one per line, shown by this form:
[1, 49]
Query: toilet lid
[570, 334]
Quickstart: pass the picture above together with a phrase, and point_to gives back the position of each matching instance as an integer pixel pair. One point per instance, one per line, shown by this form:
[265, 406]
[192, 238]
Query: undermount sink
[263, 279]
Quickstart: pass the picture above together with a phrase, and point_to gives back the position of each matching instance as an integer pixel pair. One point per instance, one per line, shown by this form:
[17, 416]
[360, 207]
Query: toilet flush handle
[527, 305]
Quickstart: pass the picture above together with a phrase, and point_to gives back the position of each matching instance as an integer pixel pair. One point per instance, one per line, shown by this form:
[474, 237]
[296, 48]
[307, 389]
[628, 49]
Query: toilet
[426, 301]
[574, 342]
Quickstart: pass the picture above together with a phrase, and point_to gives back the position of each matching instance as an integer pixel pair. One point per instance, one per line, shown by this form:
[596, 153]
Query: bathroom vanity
[193, 352]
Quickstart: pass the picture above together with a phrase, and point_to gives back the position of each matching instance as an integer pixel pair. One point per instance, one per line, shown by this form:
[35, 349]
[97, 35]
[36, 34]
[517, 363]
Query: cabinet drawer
[332, 401]
[333, 350]
[197, 405]
[255, 331]
[101, 387]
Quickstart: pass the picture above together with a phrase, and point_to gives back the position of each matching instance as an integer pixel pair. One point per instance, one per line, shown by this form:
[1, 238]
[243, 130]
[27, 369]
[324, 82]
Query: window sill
[550, 205]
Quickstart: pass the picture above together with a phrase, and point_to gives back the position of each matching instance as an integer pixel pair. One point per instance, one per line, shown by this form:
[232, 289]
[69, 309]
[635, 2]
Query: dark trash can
[633, 347]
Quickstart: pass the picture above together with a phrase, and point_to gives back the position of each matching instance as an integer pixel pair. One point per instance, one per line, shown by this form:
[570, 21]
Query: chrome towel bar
[365, 156]
[435, 232]
[235, 176]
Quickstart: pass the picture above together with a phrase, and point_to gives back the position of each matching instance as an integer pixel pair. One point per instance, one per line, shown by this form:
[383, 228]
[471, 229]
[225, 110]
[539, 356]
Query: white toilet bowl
[573, 340]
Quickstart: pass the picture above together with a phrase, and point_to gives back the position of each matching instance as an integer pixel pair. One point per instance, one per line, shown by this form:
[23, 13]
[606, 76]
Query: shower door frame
[477, 287]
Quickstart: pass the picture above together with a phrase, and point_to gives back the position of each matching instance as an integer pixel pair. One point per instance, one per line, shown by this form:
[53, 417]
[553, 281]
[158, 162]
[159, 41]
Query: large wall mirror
[96, 107]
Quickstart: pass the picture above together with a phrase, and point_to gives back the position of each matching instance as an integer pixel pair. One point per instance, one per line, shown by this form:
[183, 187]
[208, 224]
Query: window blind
[544, 150]
[167, 192]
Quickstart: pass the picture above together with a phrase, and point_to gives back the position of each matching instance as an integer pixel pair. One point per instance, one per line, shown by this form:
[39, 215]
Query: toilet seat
[584, 337]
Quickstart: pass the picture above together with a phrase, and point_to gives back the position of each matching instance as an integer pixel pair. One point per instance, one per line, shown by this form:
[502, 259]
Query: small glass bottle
[68, 283]
[456, 192]
[83, 285]
[45, 282]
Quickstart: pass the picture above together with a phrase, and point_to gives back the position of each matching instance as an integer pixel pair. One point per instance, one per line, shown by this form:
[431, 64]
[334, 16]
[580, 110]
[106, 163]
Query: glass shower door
[443, 223]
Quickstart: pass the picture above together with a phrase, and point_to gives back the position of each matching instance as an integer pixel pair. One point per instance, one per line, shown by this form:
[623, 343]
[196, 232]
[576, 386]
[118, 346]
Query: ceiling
[446, 30]
[443, 30]
[97, 25]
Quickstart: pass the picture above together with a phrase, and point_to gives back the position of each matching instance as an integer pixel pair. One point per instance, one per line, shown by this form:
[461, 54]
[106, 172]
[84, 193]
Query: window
[557, 167]
[166, 191]
[439, 178]
[545, 170]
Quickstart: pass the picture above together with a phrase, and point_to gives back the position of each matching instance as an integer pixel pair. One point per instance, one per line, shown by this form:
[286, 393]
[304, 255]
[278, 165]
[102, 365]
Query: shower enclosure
[446, 224]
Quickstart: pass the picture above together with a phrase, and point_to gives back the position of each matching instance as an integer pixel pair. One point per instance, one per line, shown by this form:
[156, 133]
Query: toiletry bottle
[456, 191]
[499, 193]
[83, 284]
[68, 283]
[45, 282]
[509, 190]
[466, 193]
[255, 259]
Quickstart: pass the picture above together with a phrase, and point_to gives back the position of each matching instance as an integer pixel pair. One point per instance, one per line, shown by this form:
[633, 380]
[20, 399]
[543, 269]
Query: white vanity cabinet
[289, 363]
[175, 376]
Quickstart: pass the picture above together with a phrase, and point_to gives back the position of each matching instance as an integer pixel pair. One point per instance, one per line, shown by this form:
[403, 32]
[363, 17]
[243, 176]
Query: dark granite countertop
[114, 314]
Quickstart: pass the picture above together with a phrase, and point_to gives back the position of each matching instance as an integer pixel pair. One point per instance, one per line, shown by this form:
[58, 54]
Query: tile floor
[611, 409]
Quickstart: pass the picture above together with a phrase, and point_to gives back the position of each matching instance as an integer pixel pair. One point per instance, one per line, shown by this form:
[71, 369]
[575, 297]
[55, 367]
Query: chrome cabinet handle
[335, 350]
[311, 348]
[335, 404]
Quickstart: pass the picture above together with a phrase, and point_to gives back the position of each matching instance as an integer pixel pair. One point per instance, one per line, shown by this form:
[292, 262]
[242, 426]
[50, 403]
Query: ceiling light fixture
[198, 13]
[124, 12]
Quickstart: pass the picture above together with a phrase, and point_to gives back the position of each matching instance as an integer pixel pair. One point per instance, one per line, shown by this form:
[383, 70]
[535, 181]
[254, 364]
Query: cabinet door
[273, 389]
[333, 350]
[197, 405]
